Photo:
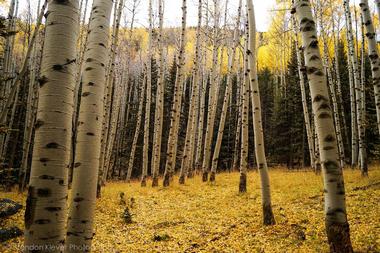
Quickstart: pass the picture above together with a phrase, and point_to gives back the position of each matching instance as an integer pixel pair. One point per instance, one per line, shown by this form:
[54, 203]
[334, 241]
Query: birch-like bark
[257, 119]
[137, 129]
[85, 174]
[159, 110]
[194, 102]
[337, 227]
[244, 118]
[301, 71]
[213, 98]
[145, 160]
[227, 94]
[373, 53]
[45, 214]
[355, 128]
[176, 108]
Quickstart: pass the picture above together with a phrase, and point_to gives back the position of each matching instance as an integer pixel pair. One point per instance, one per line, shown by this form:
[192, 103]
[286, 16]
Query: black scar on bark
[52, 145]
[39, 123]
[78, 199]
[42, 80]
[212, 176]
[43, 192]
[86, 94]
[46, 177]
[53, 209]
[42, 221]
[329, 138]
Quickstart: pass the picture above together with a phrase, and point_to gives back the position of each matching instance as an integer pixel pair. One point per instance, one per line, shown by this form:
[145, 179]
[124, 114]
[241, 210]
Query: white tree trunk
[337, 227]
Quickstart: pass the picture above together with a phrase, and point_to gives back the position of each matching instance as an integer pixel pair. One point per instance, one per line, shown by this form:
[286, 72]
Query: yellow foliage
[200, 217]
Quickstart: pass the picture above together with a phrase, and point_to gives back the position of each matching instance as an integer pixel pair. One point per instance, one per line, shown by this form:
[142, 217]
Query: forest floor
[204, 217]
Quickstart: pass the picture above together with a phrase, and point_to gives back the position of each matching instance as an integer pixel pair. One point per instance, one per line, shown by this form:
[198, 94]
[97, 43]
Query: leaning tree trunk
[227, 95]
[337, 227]
[159, 110]
[88, 144]
[176, 108]
[373, 54]
[257, 119]
[45, 214]
[137, 130]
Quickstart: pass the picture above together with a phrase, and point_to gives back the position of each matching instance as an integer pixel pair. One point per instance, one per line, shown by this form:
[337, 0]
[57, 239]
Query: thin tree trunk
[227, 94]
[257, 120]
[301, 69]
[176, 108]
[213, 99]
[159, 110]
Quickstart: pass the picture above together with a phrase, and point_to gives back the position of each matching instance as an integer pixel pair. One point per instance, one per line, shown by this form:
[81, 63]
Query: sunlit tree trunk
[227, 94]
[257, 119]
[337, 227]
[137, 129]
[213, 98]
[176, 108]
[373, 53]
[301, 69]
[88, 144]
[355, 116]
[194, 101]
[45, 214]
[145, 160]
[159, 110]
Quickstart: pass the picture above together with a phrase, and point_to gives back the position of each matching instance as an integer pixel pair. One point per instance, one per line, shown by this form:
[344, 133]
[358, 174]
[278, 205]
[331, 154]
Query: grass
[204, 217]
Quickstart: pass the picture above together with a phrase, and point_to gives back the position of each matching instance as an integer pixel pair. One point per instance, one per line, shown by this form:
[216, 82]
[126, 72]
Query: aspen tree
[203, 87]
[137, 130]
[257, 119]
[331, 85]
[213, 98]
[244, 117]
[337, 227]
[301, 69]
[145, 160]
[227, 94]
[336, 37]
[356, 86]
[159, 110]
[45, 214]
[194, 101]
[85, 176]
[373, 54]
[176, 107]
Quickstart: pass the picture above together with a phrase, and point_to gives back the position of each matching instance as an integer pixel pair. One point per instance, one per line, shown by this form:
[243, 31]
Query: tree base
[243, 183]
[268, 215]
[212, 176]
[143, 181]
[155, 182]
[98, 191]
[181, 179]
[190, 174]
[338, 235]
[166, 182]
[205, 176]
